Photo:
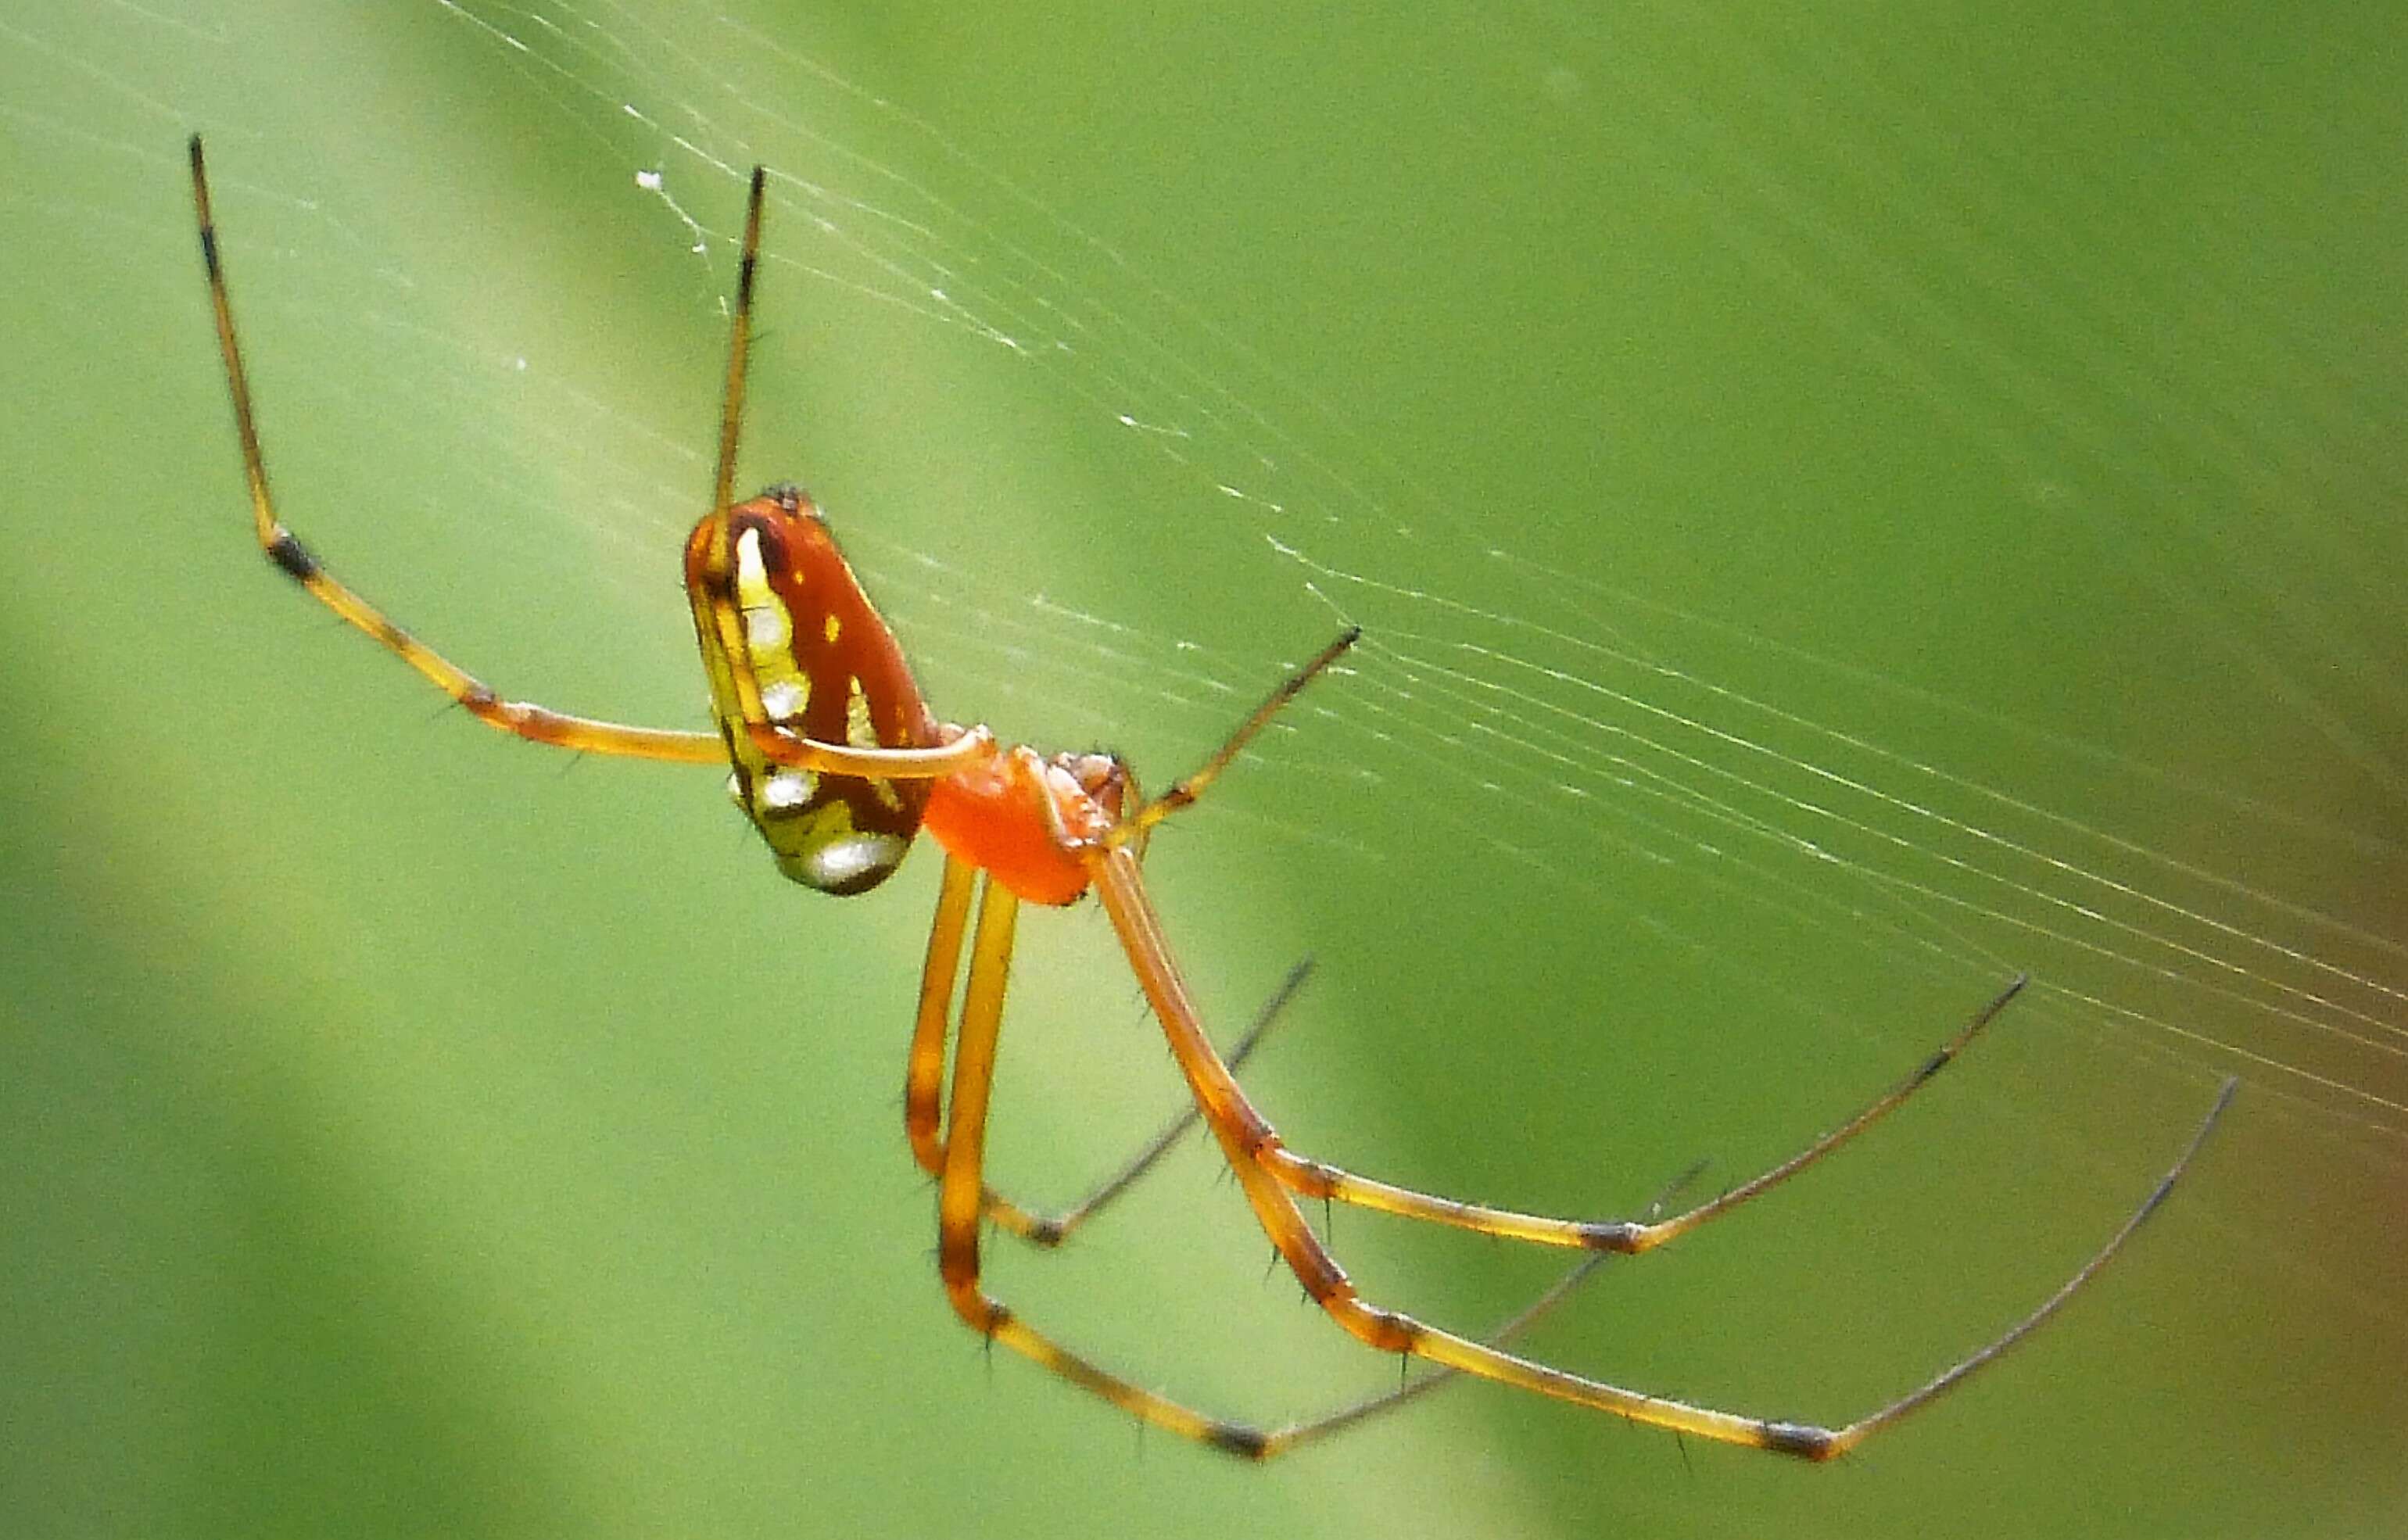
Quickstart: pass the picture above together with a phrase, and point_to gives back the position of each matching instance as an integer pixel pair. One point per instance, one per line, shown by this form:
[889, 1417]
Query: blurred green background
[1846, 507]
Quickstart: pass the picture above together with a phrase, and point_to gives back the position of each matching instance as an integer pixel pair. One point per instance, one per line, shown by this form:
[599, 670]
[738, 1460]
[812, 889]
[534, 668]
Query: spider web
[1517, 703]
[1787, 594]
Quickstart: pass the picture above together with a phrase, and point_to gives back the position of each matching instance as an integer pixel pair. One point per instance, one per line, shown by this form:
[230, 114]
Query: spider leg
[1505, 1331]
[924, 1071]
[963, 1199]
[537, 723]
[923, 1075]
[739, 346]
[1243, 1134]
[523, 719]
[1317, 1180]
[780, 746]
[1184, 790]
[1052, 1230]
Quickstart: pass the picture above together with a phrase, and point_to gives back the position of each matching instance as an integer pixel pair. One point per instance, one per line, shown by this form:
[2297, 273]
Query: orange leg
[1318, 1179]
[923, 1077]
[1244, 1135]
[962, 1203]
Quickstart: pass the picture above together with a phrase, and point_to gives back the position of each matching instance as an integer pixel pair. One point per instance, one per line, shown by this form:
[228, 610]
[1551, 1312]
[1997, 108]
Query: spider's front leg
[522, 719]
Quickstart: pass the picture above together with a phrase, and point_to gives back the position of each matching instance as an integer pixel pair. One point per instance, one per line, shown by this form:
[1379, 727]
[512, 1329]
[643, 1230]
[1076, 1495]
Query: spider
[837, 760]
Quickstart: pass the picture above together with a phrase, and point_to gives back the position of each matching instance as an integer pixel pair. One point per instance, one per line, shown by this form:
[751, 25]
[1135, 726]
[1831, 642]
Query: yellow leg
[537, 723]
[924, 1076]
[961, 1198]
[1184, 790]
[522, 719]
[1243, 1134]
[1317, 1180]
[962, 1203]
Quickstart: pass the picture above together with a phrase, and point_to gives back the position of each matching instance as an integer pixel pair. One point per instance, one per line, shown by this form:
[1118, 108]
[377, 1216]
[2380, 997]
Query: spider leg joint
[1802, 1439]
[292, 557]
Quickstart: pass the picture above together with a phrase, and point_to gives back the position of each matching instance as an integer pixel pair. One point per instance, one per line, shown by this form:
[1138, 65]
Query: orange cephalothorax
[791, 641]
[1028, 820]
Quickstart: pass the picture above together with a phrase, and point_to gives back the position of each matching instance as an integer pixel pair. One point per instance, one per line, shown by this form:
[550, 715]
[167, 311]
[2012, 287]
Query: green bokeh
[410, 1135]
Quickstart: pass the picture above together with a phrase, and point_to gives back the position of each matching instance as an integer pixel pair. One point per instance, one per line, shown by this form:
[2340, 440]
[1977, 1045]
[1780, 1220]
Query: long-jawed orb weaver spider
[837, 760]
